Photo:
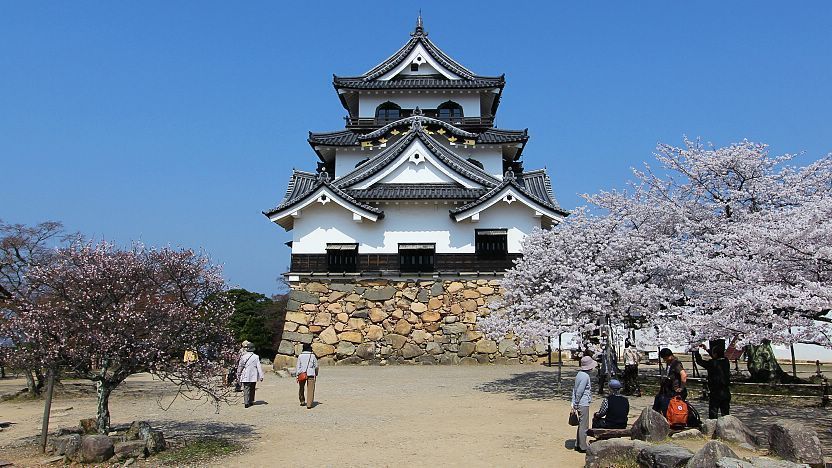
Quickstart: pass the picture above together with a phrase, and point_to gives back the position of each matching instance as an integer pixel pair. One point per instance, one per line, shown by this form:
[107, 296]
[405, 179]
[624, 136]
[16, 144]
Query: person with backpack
[614, 409]
[719, 378]
[307, 372]
[673, 383]
[249, 372]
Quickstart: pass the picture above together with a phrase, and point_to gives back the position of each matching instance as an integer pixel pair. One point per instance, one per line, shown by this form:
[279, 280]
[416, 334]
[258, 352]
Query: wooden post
[47, 408]
[817, 364]
[794, 364]
[560, 358]
[825, 398]
[549, 347]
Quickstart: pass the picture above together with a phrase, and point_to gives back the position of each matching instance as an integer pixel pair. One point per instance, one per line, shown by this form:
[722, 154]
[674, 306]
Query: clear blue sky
[179, 122]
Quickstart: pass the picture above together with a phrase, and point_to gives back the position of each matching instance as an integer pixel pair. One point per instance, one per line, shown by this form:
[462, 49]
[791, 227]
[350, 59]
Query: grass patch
[199, 450]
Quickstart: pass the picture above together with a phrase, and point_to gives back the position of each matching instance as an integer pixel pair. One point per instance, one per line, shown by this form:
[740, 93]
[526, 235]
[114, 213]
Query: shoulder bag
[303, 376]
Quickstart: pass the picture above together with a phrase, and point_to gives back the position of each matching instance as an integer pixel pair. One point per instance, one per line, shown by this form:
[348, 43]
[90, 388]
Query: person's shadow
[569, 444]
[260, 402]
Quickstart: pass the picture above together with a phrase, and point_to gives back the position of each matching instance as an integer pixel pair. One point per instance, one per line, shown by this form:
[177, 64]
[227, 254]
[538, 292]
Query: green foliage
[258, 319]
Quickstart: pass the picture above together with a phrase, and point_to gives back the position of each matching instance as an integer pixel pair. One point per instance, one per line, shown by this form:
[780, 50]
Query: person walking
[614, 409]
[581, 398]
[719, 378]
[249, 372]
[674, 381]
[632, 358]
[307, 363]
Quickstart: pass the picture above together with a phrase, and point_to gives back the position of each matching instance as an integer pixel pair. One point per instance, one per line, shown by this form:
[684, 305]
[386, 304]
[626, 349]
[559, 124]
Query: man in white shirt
[631, 360]
[249, 372]
[308, 365]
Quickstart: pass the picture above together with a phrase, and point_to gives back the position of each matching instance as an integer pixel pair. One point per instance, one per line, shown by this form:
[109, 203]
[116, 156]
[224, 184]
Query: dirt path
[366, 416]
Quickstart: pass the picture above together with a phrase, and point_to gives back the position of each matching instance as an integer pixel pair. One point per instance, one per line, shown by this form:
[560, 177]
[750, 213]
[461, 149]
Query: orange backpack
[677, 412]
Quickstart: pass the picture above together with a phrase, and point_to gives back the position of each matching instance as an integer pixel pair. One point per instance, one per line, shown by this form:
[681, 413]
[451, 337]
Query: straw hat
[248, 345]
[587, 363]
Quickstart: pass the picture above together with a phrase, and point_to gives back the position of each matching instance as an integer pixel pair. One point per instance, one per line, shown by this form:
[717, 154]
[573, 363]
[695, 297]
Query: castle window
[450, 110]
[341, 258]
[491, 243]
[416, 257]
[388, 112]
[414, 66]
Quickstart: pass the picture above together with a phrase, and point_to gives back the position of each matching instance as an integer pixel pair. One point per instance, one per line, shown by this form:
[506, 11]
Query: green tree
[258, 319]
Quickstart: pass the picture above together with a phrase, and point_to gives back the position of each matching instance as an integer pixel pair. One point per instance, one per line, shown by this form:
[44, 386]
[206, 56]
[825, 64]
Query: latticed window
[416, 257]
[450, 110]
[341, 258]
[491, 243]
[388, 112]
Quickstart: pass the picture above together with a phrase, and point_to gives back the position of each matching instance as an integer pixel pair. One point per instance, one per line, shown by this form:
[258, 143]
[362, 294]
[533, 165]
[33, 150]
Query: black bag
[574, 417]
[694, 420]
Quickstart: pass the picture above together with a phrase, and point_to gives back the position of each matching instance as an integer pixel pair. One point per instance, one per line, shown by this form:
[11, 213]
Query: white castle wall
[407, 223]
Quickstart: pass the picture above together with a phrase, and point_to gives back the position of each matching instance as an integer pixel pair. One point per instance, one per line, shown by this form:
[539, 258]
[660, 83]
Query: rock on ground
[708, 427]
[66, 445]
[795, 442]
[651, 426]
[614, 452]
[708, 455]
[664, 456]
[95, 449]
[688, 434]
[731, 429]
[130, 449]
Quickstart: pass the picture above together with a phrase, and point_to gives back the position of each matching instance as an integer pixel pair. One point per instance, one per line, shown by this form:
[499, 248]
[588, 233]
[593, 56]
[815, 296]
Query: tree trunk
[41, 379]
[103, 389]
[762, 365]
[31, 386]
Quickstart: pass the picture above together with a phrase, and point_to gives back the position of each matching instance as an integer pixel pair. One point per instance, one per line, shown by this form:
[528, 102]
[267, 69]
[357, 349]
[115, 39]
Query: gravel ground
[366, 416]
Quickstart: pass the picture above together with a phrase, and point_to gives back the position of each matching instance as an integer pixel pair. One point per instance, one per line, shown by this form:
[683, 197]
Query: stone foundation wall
[396, 322]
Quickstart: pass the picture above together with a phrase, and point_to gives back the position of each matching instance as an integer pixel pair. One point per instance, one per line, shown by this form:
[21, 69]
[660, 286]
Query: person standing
[719, 378]
[308, 363]
[632, 358]
[249, 372]
[614, 409]
[674, 381]
[581, 398]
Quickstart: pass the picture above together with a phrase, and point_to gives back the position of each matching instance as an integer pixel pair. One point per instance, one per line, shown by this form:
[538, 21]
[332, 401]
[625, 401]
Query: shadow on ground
[532, 385]
[204, 429]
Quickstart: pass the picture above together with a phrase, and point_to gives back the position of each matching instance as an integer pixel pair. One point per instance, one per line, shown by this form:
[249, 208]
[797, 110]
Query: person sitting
[614, 409]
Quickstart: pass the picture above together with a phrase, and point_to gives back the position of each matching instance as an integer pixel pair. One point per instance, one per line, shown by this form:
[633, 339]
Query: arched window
[388, 112]
[450, 110]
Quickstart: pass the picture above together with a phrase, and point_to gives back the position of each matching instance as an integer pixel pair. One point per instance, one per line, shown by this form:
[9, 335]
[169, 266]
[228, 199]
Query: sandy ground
[366, 416]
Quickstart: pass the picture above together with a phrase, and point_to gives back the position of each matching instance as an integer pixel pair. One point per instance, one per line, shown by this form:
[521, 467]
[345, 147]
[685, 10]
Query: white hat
[587, 363]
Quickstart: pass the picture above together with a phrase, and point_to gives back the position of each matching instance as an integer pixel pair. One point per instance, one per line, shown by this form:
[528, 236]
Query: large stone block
[304, 297]
[323, 350]
[317, 287]
[403, 327]
[418, 307]
[410, 350]
[396, 341]
[380, 294]
[466, 349]
[664, 456]
[731, 429]
[470, 294]
[286, 347]
[795, 442]
[486, 346]
[614, 452]
[282, 361]
[507, 348]
[455, 286]
[709, 454]
[423, 295]
[374, 333]
[366, 351]
[329, 336]
[342, 287]
[470, 335]
[345, 349]
[297, 317]
[305, 338]
[431, 316]
[376, 315]
[351, 336]
[469, 305]
[651, 426]
[95, 449]
[437, 289]
[433, 348]
[323, 319]
[454, 328]
[292, 305]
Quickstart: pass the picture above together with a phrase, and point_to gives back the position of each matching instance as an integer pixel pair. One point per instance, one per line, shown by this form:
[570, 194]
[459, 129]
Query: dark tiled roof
[496, 135]
[352, 138]
[303, 184]
[419, 36]
[339, 138]
[385, 157]
[479, 82]
[416, 191]
[539, 190]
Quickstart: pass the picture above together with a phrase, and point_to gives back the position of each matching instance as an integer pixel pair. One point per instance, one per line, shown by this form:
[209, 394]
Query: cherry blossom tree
[107, 313]
[21, 248]
[717, 242]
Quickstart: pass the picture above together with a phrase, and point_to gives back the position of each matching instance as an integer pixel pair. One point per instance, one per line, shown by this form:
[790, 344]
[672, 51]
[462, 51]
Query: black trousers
[248, 393]
[717, 404]
[631, 385]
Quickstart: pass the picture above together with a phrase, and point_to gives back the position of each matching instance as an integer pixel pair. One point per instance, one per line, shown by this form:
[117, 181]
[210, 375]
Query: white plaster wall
[367, 102]
[490, 156]
[428, 223]
[422, 173]
[345, 161]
